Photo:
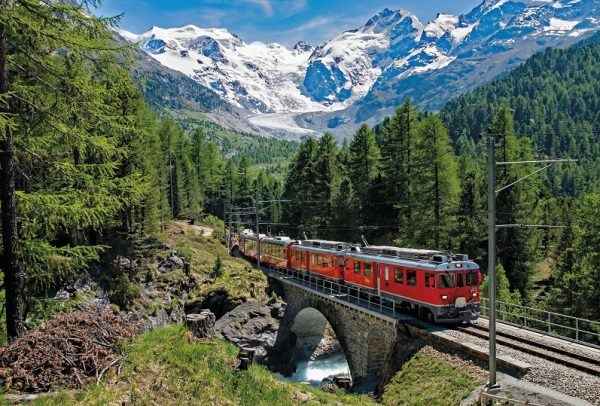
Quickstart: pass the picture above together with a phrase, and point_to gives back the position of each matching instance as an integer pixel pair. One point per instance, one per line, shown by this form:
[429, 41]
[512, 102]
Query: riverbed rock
[251, 325]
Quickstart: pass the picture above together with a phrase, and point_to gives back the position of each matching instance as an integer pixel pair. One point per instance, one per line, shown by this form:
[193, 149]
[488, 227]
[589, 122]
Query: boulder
[176, 262]
[251, 325]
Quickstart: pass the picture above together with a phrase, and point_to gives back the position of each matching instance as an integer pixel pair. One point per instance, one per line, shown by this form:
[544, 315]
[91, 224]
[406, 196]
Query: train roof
[399, 251]
[324, 244]
[249, 234]
[278, 240]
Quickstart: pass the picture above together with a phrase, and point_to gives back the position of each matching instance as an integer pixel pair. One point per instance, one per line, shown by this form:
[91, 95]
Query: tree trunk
[14, 277]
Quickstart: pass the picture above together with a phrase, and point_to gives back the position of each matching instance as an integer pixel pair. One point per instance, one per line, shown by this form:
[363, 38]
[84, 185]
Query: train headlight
[444, 297]
[475, 294]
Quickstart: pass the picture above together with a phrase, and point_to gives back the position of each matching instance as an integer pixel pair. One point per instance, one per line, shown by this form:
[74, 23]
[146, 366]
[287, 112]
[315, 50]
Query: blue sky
[283, 21]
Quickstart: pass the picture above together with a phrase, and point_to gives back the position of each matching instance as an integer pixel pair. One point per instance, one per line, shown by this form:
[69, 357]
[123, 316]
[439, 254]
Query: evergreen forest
[87, 165]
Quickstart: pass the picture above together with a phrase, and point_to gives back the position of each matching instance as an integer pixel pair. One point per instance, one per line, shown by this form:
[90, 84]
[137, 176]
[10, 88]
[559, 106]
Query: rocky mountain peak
[302, 46]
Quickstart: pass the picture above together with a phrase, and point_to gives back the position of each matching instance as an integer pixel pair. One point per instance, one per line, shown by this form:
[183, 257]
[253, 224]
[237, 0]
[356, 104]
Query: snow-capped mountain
[361, 74]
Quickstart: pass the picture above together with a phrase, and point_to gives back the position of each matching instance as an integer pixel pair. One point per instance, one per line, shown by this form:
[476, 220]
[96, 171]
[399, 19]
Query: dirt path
[196, 229]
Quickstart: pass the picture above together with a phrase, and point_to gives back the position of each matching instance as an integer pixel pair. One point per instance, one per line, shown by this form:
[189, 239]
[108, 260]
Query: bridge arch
[303, 308]
[368, 342]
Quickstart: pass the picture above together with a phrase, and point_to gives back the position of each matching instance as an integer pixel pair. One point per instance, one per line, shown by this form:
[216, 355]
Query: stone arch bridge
[373, 343]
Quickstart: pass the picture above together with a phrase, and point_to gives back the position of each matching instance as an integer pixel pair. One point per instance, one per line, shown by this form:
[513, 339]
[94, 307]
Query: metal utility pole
[257, 231]
[492, 226]
[224, 216]
[492, 259]
[230, 214]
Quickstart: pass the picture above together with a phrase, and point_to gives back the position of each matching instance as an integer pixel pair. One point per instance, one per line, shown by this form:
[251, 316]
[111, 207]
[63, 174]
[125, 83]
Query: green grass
[239, 279]
[427, 380]
[165, 367]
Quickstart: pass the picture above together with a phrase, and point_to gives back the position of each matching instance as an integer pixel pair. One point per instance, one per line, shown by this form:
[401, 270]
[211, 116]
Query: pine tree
[363, 170]
[299, 188]
[435, 187]
[517, 205]
[503, 291]
[397, 151]
[470, 230]
[346, 214]
[325, 182]
[67, 115]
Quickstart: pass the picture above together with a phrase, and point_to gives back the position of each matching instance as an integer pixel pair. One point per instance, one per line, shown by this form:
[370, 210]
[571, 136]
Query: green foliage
[517, 247]
[578, 270]
[556, 97]
[435, 187]
[397, 153]
[80, 136]
[503, 291]
[407, 184]
[363, 166]
[124, 292]
[217, 270]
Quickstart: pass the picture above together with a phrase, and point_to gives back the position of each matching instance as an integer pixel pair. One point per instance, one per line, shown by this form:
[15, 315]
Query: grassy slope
[166, 367]
[239, 279]
[430, 379]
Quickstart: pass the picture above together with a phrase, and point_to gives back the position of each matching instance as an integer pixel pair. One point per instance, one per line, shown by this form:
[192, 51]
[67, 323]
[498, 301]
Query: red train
[437, 285]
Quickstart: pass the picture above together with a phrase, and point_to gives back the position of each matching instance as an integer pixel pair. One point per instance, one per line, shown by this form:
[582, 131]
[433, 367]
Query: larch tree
[517, 247]
[397, 149]
[363, 170]
[435, 187]
[66, 115]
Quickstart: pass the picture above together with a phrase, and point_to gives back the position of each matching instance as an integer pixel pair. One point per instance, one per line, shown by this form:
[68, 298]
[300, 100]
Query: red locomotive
[438, 285]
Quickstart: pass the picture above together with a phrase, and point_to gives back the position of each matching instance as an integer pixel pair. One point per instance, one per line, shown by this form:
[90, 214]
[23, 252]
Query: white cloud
[264, 4]
[311, 24]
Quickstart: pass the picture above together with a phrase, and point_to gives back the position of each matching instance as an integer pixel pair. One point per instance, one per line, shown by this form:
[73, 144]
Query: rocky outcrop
[218, 301]
[252, 325]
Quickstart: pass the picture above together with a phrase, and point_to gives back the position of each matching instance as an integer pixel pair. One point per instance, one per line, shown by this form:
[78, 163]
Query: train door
[378, 276]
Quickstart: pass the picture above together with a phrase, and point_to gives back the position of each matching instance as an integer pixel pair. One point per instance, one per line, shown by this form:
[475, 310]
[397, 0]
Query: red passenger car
[442, 285]
[274, 251]
[319, 257]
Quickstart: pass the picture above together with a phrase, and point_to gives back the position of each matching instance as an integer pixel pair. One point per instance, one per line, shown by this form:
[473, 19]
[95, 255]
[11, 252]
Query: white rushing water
[315, 371]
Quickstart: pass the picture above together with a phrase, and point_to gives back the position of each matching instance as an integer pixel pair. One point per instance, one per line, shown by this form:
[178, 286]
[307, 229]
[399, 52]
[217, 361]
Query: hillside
[555, 96]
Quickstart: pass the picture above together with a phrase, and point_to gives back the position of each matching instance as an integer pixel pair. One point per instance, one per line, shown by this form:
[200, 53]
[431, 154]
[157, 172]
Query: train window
[459, 280]
[472, 279]
[325, 261]
[429, 280]
[302, 256]
[341, 262]
[446, 280]
[387, 273]
[297, 255]
[399, 276]
[312, 258]
[319, 260]
[367, 269]
[356, 267]
[411, 278]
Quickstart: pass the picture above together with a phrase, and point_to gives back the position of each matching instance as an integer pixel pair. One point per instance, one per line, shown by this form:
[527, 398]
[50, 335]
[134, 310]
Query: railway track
[577, 361]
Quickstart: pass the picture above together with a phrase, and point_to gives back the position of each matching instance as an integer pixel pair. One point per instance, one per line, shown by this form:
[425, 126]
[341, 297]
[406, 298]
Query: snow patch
[442, 24]
[459, 34]
[557, 24]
